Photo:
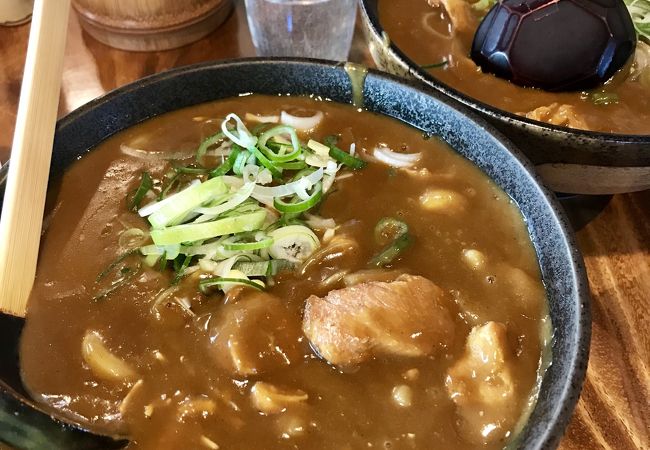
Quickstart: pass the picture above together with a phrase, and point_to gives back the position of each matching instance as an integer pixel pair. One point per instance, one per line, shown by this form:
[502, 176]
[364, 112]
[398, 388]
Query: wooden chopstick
[24, 200]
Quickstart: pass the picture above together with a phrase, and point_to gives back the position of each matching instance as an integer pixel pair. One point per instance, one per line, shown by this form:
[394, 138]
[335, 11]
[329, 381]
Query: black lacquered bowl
[559, 259]
[569, 160]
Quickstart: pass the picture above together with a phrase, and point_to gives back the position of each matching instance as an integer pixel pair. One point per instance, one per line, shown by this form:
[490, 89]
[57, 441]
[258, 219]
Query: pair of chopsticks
[24, 200]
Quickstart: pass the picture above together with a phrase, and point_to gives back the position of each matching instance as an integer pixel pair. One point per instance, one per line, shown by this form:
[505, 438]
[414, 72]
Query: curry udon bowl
[569, 160]
[560, 264]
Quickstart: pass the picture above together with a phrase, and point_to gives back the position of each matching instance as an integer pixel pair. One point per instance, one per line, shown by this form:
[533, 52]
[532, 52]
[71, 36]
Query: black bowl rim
[369, 12]
[577, 365]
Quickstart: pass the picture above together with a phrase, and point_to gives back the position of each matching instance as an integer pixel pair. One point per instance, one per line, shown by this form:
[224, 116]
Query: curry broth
[426, 35]
[171, 350]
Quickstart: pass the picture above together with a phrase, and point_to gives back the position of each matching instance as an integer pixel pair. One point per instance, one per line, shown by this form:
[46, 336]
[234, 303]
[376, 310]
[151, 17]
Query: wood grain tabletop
[614, 409]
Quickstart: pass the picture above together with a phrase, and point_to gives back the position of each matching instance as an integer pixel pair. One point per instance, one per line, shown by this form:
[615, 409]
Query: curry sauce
[242, 370]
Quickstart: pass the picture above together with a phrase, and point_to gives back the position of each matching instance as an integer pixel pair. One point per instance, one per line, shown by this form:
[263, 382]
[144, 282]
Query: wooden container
[149, 25]
[15, 12]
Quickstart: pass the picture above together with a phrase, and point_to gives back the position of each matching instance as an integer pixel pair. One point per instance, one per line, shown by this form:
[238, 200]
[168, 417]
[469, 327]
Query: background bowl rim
[370, 16]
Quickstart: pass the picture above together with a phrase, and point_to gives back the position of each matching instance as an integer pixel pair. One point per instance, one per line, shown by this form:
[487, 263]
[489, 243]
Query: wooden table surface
[614, 409]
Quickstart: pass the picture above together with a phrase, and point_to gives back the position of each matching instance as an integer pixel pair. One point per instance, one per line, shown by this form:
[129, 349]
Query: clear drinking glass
[310, 28]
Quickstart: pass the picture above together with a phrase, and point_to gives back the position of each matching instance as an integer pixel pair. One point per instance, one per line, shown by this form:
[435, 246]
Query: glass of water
[309, 28]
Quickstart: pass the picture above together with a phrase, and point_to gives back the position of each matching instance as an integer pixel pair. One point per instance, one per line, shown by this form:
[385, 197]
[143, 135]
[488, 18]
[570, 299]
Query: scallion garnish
[263, 268]
[207, 283]
[246, 219]
[483, 6]
[192, 169]
[181, 263]
[603, 98]
[341, 156]
[146, 184]
[275, 170]
[181, 204]
[247, 241]
[122, 273]
[390, 252]
[192, 232]
[640, 13]
[284, 153]
[388, 229]
[442, 63]
[207, 143]
[394, 231]
[296, 205]
[228, 163]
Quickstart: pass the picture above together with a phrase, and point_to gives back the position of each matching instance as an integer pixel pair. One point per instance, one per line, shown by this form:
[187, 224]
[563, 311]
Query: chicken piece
[255, 334]
[463, 19]
[405, 317]
[556, 114]
[482, 385]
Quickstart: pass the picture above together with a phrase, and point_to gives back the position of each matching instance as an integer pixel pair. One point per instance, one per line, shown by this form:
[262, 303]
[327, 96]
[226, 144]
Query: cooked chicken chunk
[556, 114]
[255, 334]
[405, 317]
[460, 14]
[483, 386]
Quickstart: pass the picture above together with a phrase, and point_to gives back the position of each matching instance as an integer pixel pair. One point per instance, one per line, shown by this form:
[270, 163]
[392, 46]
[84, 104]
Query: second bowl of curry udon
[280, 271]
[590, 142]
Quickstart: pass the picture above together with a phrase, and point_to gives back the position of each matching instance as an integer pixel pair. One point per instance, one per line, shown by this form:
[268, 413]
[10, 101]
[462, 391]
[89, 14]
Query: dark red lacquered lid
[555, 44]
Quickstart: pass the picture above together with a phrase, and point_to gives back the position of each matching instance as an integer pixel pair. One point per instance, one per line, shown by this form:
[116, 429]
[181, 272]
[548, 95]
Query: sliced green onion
[275, 131]
[193, 232]
[151, 260]
[191, 169]
[263, 268]
[307, 171]
[163, 262]
[171, 251]
[346, 159]
[207, 283]
[483, 6]
[126, 274]
[228, 163]
[178, 206]
[294, 243]
[240, 162]
[640, 13]
[146, 184]
[442, 63]
[180, 267]
[276, 172]
[174, 180]
[122, 274]
[276, 152]
[390, 252]
[207, 143]
[246, 207]
[342, 156]
[293, 165]
[240, 134]
[115, 263]
[295, 205]
[284, 190]
[290, 219]
[227, 203]
[131, 238]
[388, 229]
[603, 98]
[247, 242]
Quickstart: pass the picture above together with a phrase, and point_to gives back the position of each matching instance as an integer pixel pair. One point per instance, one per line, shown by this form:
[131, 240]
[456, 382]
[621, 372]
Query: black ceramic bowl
[569, 160]
[471, 136]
